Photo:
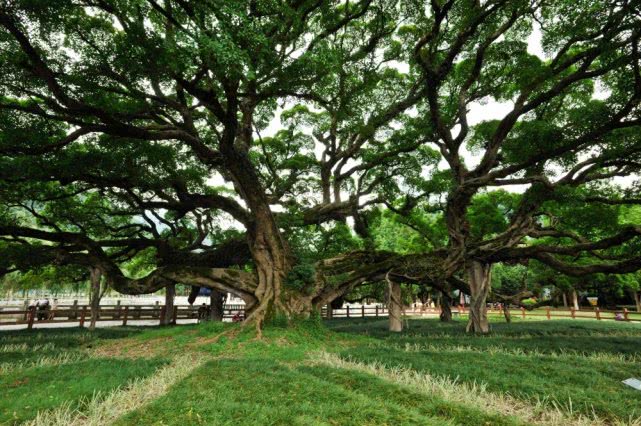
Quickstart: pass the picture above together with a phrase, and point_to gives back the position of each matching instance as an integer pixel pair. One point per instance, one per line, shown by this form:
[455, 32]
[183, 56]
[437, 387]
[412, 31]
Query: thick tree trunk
[272, 263]
[575, 299]
[268, 248]
[170, 294]
[480, 279]
[270, 269]
[217, 305]
[395, 306]
[637, 299]
[94, 277]
[445, 302]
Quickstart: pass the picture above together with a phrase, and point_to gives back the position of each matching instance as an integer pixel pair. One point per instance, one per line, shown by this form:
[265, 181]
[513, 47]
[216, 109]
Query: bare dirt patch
[132, 348]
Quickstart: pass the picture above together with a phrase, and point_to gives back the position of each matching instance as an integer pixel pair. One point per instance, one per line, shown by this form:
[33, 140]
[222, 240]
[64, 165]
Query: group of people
[44, 308]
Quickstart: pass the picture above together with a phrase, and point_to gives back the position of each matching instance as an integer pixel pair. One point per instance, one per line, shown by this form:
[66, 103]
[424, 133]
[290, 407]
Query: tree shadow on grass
[581, 361]
[25, 345]
[537, 336]
[27, 391]
[265, 391]
[590, 383]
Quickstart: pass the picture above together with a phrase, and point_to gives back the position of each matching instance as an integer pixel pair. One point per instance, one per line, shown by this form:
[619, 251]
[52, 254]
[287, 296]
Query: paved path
[99, 324]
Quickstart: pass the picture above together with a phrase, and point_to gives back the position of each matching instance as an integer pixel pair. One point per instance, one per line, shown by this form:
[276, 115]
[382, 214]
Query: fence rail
[571, 313]
[548, 313]
[123, 313]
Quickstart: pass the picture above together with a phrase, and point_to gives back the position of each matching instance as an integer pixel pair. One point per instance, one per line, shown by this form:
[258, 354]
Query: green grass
[352, 372]
[27, 391]
[44, 369]
[578, 363]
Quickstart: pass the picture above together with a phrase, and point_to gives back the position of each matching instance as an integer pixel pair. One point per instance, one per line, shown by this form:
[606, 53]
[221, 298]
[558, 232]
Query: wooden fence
[548, 313]
[81, 314]
[571, 313]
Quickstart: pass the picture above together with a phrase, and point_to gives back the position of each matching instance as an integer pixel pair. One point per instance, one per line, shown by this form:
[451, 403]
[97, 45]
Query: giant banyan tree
[217, 141]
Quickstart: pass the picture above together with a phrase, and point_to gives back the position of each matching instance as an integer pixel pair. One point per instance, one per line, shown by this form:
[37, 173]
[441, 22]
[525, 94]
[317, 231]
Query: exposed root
[231, 333]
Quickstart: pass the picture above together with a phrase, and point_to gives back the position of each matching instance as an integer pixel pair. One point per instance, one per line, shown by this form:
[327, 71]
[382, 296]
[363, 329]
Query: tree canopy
[266, 148]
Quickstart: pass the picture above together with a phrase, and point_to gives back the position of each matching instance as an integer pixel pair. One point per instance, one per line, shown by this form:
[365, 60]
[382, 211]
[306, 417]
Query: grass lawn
[348, 372]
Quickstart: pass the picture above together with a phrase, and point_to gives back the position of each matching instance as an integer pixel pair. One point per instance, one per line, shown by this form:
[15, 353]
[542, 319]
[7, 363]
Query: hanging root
[257, 318]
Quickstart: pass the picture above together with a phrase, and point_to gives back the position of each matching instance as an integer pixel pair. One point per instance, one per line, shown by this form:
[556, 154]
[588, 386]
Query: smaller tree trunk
[575, 299]
[170, 294]
[330, 311]
[480, 280]
[506, 313]
[565, 300]
[217, 305]
[95, 277]
[395, 307]
[637, 299]
[445, 302]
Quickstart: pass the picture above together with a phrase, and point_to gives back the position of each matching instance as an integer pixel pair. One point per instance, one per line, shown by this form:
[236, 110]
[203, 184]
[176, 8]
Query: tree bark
[170, 294]
[480, 279]
[270, 253]
[272, 262]
[95, 276]
[395, 306]
[506, 313]
[637, 299]
[565, 300]
[217, 305]
[575, 299]
[445, 302]
[330, 311]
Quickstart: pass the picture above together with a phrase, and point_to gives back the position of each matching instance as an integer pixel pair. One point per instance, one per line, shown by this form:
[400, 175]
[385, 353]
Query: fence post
[547, 312]
[175, 317]
[118, 310]
[363, 311]
[522, 312]
[625, 314]
[347, 311]
[31, 316]
[83, 314]
[124, 318]
[573, 312]
[598, 313]
[376, 311]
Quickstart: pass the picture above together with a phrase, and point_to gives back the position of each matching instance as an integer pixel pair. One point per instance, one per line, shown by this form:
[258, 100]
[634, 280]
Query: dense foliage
[283, 150]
